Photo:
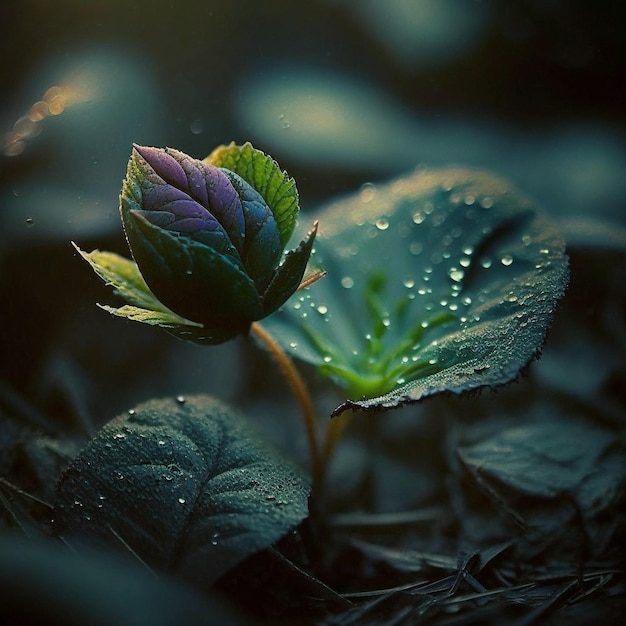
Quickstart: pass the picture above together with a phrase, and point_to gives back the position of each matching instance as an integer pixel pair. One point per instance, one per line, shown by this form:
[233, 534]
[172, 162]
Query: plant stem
[302, 396]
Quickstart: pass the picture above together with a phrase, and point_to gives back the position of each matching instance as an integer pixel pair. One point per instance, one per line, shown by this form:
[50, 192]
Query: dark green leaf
[186, 484]
[553, 458]
[193, 279]
[441, 281]
[43, 582]
[289, 274]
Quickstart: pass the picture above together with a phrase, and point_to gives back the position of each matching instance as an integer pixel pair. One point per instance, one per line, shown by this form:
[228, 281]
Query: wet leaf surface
[185, 484]
[441, 281]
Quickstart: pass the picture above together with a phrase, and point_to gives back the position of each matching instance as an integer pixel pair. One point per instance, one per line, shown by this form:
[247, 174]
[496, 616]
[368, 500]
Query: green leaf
[43, 582]
[443, 281]
[124, 276]
[559, 475]
[264, 174]
[193, 279]
[172, 323]
[550, 458]
[186, 484]
[289, 275]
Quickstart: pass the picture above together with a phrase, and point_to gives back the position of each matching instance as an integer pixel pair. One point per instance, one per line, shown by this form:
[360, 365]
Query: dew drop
[367, 193]
[468, 250]
[465, 262]
[386, 322]
[119, 436]
[456, 275]
[322, 309]
[182, 500]
[432, 361]
[486, 202]
[328, 359]
[453, 307]
[293, 344]
[131, 412]
[180, 399]
[196, 127]
[511, 297]
[469, 199]
[418, 217]
[486, 262]
[507, 259]
[409, 283]
[297, 305]
[30, 222]
[214, 539]
[401, 381]
[382, 223]
[347, 282]
[544, 251]
[161, 442]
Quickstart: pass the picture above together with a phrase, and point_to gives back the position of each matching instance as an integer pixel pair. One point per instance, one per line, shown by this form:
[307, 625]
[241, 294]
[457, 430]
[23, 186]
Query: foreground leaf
[441, 281]
[185, 484]
[42, 582]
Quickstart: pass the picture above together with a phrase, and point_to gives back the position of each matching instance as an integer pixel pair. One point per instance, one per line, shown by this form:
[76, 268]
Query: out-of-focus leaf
[186, 484]
[45, 583]
[441, 281]
[559, 477]
[551, 459]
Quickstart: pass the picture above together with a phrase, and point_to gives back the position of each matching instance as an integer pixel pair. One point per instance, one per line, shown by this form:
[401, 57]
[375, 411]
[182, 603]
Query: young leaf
[185, 484]
[441, 281]
[263, 173]
[123, 274]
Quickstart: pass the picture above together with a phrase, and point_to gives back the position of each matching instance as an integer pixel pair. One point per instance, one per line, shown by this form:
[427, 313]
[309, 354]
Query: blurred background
[340, 92]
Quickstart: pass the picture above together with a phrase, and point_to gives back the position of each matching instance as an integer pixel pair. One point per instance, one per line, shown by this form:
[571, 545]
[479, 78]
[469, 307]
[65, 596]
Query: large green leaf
[441, 281]
[185, 484]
